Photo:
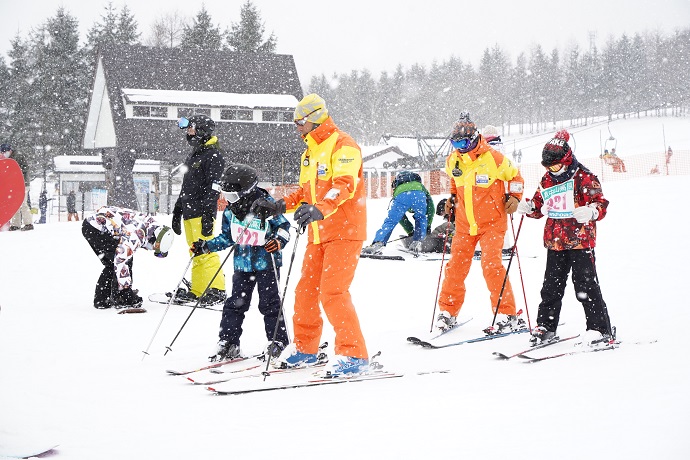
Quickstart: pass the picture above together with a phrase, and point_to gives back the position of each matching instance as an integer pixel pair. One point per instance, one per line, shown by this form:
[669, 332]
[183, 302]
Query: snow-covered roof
[208, 98]
[374, 156]
[94, 163]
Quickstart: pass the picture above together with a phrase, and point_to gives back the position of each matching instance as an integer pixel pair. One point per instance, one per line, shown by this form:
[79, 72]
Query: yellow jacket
[331, 178]
[480, 180]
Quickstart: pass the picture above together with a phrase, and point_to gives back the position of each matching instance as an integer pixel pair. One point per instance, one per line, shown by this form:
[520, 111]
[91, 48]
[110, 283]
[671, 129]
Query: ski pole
[198, 301]
[522, 280]
[275, 272]
[282, 300]
[172, 298]
[505, 278]
[438, 285]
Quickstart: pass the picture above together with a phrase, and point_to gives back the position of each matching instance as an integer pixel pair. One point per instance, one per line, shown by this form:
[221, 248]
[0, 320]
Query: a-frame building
[140, 92]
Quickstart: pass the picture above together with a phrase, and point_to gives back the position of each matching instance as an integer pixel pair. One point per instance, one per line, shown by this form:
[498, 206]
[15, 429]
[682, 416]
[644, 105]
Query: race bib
[254, 235]
[560, 200]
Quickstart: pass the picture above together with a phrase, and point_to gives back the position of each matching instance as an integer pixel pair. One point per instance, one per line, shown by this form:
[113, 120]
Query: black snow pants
[238, 304]
[105, 246]
[587, 290]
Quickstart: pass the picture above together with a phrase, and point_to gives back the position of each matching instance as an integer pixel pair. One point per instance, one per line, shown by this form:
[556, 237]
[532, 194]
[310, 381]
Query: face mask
[7, 154]
[194, 141]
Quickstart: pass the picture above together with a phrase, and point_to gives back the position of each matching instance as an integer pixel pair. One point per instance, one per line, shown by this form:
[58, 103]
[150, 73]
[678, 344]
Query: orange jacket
[480, 179]
[331, 178]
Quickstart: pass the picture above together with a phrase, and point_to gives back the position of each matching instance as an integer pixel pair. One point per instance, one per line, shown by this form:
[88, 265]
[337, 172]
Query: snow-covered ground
[74, 376]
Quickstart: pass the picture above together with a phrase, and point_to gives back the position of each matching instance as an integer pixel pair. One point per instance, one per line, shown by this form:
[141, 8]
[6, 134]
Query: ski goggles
[461, 144]
[555, 168]
[183, 123]
[303, 121]
[235, 196]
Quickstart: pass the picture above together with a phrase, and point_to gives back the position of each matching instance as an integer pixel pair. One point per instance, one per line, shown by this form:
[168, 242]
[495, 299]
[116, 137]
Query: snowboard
[11, 189]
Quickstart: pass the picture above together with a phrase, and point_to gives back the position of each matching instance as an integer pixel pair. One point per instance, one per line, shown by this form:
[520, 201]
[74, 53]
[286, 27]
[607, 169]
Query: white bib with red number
[560, 200]
[254, 235]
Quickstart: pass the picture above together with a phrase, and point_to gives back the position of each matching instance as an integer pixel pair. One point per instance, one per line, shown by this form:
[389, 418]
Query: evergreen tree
[61, 83]
[103, 32]
[201, 35]
[127, 32]
[553, 84]
[247, 35]
[4, 95]
[519, 91]
[112, 29]
[638, 74]
[19, 103]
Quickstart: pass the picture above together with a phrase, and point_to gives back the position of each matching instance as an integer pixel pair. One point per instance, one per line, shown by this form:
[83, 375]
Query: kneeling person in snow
[115, 234]
[571, 198]
[442, 234]
[409, 195]
[257, 262]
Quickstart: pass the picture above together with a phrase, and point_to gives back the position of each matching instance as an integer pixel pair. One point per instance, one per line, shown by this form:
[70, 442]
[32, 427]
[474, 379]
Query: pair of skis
[238, 376]
[429, 342]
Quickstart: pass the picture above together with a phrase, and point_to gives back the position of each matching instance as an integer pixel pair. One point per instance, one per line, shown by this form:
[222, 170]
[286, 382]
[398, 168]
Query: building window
[189, 111]
[227, 114]
[269, 115]
[159, 112]
[286, 117]
[141, 111]
[245, 115]
[146, 111]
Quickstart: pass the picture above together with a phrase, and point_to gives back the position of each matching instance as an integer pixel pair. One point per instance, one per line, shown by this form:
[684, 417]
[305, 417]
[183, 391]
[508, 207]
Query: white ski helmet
[164, 238]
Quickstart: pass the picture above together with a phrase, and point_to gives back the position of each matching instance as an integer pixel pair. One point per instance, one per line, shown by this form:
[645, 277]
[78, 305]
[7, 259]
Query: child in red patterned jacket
[570, 196]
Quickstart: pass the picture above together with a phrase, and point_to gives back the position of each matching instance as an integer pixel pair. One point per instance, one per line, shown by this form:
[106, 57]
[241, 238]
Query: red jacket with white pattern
[565, 234]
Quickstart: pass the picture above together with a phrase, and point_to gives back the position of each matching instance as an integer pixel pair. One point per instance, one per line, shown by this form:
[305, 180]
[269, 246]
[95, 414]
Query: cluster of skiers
[330, 205]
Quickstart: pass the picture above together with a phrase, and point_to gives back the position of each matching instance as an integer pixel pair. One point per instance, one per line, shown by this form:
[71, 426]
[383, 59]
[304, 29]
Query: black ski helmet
[239, 178]
[203, 126]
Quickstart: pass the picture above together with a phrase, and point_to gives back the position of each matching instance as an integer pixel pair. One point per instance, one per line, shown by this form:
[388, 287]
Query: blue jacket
[248, 257]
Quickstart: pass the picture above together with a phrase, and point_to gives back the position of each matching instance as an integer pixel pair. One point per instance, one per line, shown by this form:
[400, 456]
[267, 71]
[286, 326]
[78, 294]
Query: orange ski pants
[462, 249]
[327, 272]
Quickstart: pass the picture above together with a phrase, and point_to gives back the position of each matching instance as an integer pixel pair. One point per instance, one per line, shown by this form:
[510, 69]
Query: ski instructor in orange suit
[485, 188]
[331, 202]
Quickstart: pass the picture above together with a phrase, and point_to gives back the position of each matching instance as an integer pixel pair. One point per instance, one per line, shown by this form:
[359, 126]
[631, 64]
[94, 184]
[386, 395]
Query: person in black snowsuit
[197, 206]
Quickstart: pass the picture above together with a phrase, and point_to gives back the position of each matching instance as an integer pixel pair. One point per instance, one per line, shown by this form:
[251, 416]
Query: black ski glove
[206, 225]
[306, 214]
[200, 247]
[177, 218]
[263, 208]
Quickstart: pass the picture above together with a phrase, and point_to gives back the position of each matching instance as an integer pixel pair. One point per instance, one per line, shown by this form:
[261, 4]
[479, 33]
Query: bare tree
[167, 31]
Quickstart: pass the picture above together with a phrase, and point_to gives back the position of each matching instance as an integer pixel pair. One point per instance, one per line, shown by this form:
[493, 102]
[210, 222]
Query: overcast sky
[339, 36]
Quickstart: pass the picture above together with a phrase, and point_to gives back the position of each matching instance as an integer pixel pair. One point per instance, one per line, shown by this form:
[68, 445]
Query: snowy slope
[74, 376]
